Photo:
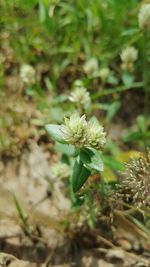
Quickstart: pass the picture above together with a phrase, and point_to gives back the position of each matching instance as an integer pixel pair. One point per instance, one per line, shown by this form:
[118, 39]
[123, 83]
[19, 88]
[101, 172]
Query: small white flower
[128, 56]
[80, 95]
[96, 135]
[144, 16]
[74, 130]
[91, 66]
[27, 74]
[104, 73]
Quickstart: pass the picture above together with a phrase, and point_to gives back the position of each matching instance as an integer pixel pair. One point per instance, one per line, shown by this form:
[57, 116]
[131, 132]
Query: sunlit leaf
[80, 175]
[55, 132]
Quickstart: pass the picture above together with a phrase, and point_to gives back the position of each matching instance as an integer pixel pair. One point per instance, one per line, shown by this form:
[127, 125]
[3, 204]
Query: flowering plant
[88, 139]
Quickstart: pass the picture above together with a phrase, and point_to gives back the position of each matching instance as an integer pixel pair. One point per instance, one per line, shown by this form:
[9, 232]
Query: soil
[48, 242]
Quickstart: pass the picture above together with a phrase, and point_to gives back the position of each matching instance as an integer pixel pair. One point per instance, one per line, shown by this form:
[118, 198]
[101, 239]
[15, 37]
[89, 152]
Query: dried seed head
[60, 170]
[135, 187]
[144, 16]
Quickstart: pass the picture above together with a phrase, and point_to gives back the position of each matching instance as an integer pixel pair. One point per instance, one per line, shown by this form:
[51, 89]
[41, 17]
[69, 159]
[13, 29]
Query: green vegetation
[80, 71]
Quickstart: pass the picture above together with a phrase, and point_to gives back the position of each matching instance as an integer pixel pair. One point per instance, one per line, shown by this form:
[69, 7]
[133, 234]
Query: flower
[128, 56]
[144, 16]
[96, 135]
[91, 66]
[104, 73]
[27, 74]
[82, 134]
[80, 95]
[74, 130]
[60, 170]
[135, 187]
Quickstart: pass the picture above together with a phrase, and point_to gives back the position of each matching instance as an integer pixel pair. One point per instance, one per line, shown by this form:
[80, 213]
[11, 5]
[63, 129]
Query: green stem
[119, 89]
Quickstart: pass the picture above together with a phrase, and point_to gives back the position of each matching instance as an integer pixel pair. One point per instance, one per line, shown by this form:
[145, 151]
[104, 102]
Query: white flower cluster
[144, 16]
[80, 133]
[27, 74]
[128, 56]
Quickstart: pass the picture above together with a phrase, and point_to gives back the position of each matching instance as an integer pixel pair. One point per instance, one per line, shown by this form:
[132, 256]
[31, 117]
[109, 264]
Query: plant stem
[119, 89]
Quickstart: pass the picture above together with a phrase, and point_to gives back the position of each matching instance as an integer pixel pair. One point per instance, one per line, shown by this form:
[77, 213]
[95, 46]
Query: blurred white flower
[104, 73]
[80, 96]
[27, 74]
[91, 66]
[128, 56]
[144, 16]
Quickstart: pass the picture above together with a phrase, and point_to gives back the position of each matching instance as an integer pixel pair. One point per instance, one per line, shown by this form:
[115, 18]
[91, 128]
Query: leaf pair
[87, 161]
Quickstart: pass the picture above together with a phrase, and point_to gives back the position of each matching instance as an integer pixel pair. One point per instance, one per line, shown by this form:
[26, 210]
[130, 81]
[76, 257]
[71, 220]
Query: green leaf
[85, 156]
[92, 159]
[80, 174]
[113, 109]
[142, 125]
[42, 11]
[127, 79]
[130, 32]
[96, 163]
[65, 149]
[132, 136]
[22, 216]
[55, 132]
